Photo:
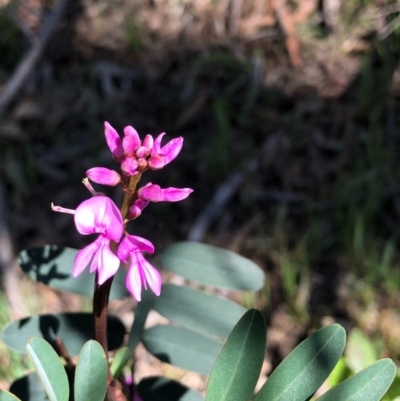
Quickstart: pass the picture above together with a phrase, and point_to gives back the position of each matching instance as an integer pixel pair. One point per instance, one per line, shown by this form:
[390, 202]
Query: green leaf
[124, 354]
[212, 266]
[235, 374]
[212, 315]
[49, 368]
[120, 359]
[163, 389]
[52, 265]
[6, 396]
[340, 373]
[74, 329]
[91, 373]
[368, 385]
[359, 352]
[29, 388]
[393, 393]
[183, 347]
[142, 311]
[304, 370]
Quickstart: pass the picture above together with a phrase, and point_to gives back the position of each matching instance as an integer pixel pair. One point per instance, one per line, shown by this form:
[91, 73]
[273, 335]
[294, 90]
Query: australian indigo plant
[209, 334]
[100, 215]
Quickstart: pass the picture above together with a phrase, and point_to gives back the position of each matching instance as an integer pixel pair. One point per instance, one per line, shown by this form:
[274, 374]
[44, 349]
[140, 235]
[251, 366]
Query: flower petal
[131, 140]
[175, 194]
[148, 142]
[108, 263]
[157, 145]
[112, 220]
[133, 281]
[150, 193]
[157, 162]
[136, 209]
[104, 176]
[142, 152]
[85, 216]
[84, 256]
[99, 215]
[172, 149]
[113, 141]
[153, 276]
[132, 244]
[129, 165]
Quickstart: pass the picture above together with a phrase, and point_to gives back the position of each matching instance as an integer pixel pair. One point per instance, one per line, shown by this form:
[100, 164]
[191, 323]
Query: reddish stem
[100, 307]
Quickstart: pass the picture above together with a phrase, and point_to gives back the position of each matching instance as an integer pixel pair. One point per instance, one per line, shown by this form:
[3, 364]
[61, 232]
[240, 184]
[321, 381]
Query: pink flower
[155, 193]
[140, 271]
[104, 176]
[98, 215]
[160, 157]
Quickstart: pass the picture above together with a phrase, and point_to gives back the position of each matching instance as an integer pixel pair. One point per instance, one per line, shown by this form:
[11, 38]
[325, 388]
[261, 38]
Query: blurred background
[290, 114]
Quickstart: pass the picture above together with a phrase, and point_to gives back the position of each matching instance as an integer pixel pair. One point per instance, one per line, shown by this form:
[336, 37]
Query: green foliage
[360, 352]
[236, 371]
[368, 385]
[304, 370]
[73, 328]
[203, 337]
[90, 382]
[209, 265]
[197, 310]
[49, 368]
[201, 321]
[299, 375]
[183, 347]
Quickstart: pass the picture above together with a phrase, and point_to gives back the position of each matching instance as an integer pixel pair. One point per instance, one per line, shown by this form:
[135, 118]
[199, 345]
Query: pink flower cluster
[99, 214]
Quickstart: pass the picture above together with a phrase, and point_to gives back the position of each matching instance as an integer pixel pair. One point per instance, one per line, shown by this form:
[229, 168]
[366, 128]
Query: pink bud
[104, 176]
[150, 192]
[154, 193]
[175, 194]
[129, 165]
[143, 151]
[148, 142]
[113, 141]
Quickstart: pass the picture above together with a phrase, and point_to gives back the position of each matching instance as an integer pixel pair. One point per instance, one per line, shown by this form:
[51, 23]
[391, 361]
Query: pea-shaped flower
[140, 271]
[98, 215]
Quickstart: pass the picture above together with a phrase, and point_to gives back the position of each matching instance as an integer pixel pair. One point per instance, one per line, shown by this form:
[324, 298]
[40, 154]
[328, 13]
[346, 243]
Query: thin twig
[62, 351]
[26, 65]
